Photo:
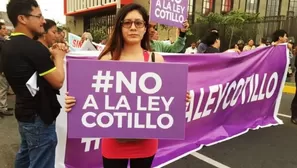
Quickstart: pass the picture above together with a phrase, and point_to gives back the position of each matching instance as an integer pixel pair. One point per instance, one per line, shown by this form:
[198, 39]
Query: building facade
[81, 15]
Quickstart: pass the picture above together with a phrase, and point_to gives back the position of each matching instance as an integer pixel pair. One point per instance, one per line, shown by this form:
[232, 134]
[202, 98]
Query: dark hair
[49, 24]
[60, 29]
[277, 34]
[115, 43]
[249, 40]
[1, 24]
[210, 38]
[19, 7]
[263, 40]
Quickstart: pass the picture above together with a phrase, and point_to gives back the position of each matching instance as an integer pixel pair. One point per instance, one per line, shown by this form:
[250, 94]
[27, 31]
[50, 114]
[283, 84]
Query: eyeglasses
[36, 16]
[137, 23]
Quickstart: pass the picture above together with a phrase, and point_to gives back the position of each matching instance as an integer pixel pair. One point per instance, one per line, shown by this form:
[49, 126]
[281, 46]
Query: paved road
[272, 147]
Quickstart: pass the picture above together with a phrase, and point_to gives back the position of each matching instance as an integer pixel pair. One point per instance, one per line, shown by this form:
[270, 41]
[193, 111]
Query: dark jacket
[2, 41]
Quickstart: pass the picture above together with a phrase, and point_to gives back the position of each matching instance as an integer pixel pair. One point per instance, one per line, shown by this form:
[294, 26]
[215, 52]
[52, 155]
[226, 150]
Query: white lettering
[167, 103]
[107, 106]
[170, 121]
[238, 90]
[90, 102]
[121, 79]
[226, 103]
[139, 108]
[84, 119]
[210, 100]
[123, 103]
[151, 103]
[157, 79]
[110, 120]
[120, 116]
[273, 77]
[261, 92]
[198, 114]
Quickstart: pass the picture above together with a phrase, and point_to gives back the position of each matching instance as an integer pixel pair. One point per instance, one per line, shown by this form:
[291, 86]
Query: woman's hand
[69, 102]
[188, 97]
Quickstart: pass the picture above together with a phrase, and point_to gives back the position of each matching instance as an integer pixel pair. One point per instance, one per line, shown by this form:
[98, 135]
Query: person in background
[202, 46]
[198, 43]
[268, 41]
[49, 36]
[279, 36]
[155, 36]
[240, 45]
[176, 47]
[192, 49]
[291, 57]
[86, 36]
[212, 40]
[262, 42]
[35, 112]
[130, 41]
[250, 45]
[4, 86]
[235, 47]
[60, 35]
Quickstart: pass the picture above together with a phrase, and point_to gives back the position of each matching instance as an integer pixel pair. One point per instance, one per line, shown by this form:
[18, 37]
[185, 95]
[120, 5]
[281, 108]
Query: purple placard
[169, 12]
[127, 99]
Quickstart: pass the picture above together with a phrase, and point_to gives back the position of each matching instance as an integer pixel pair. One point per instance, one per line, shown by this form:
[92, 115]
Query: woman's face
[251, 43]
[133, 28]
[51, 36]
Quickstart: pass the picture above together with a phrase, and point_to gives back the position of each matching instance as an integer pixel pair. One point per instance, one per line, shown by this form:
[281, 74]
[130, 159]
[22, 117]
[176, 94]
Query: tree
[99, 34]
[233, 23]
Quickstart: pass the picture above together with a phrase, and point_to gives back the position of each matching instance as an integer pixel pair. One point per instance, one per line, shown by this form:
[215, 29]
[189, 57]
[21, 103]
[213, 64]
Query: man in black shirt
[23, 58]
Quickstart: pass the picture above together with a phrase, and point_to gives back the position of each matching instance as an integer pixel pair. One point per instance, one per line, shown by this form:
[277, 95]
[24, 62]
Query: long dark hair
[115, 43]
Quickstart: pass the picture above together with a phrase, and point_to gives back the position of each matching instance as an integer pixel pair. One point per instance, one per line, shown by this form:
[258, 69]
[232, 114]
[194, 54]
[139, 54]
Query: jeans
[38, 144]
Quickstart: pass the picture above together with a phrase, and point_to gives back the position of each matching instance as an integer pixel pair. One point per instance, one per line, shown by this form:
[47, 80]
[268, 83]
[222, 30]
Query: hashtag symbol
[102, 81]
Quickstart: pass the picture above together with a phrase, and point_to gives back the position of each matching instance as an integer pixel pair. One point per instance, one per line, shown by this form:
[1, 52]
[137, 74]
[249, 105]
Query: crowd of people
[41, 48]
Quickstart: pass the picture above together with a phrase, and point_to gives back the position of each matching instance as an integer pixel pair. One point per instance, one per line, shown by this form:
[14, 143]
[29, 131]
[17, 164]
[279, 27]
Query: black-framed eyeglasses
[137, 23]
[36, 16]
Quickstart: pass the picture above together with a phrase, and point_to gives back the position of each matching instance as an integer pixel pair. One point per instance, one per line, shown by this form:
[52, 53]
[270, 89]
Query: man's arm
[51, 70]
[178, 45]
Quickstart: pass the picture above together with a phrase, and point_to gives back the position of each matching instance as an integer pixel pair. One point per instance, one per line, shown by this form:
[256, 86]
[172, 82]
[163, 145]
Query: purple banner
[127, 99]
[169, 12]
[231, 94]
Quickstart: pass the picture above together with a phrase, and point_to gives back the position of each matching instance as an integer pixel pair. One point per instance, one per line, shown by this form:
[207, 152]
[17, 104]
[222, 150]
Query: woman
[129, 41]
[249, 46]
[50, 36]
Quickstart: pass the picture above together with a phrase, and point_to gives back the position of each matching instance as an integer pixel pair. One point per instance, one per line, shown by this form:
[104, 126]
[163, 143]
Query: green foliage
[99, 33]
[169, 28]
[236, 24]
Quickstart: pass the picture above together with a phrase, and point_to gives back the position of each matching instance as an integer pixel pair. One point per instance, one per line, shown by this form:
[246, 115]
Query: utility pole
[118, 5]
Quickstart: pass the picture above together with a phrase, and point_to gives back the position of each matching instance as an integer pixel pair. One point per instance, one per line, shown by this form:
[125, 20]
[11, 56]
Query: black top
[212, 49]
[21, 58]
[2, 40]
